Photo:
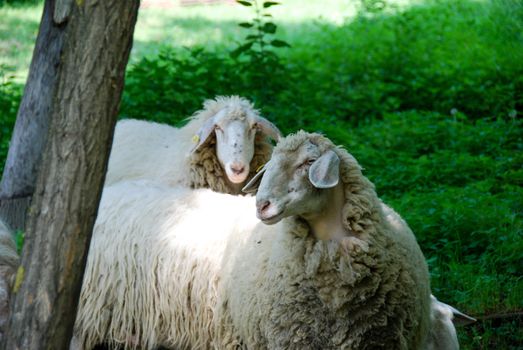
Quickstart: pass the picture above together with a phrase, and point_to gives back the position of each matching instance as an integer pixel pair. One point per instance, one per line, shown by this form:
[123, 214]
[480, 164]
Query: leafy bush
[18, 2]
[172, 86]
[257, 44]
[10, 94]
[438, 56]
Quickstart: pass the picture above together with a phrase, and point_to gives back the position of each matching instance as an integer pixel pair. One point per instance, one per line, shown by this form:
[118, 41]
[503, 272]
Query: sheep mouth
[270, 220]
[237, 177]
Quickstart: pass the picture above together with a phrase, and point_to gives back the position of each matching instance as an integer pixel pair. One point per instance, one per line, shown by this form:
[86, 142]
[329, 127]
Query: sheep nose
[262, 206]
[237, 169]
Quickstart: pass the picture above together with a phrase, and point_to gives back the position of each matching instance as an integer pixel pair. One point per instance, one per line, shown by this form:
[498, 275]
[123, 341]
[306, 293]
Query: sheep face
[294, 182]
[235, 131]
[235, 147]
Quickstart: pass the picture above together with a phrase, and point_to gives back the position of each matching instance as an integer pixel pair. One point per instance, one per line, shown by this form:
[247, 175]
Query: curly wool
[161, 153]
[303, 293]
[153, 269]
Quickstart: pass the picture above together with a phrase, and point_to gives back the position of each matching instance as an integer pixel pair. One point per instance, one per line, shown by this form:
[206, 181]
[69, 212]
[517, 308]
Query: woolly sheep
[219, 148]
[161, 271]
[241, 283]
[153, 269]
[342, 275]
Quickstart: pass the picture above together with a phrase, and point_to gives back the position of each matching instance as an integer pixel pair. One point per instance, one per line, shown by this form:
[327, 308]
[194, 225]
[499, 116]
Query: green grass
[427, 95]
[18, 31]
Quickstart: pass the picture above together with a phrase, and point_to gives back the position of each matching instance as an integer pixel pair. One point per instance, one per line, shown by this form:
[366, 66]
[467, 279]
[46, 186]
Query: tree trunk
[96, 48]
[27, 146]
[32, 122]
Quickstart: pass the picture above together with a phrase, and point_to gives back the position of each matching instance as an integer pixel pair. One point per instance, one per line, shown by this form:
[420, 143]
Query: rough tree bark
[27, 145]
[97, 42]
[32, 122]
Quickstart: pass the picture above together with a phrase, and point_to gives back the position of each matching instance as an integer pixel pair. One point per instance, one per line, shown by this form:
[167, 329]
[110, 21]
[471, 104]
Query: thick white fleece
[154, 265]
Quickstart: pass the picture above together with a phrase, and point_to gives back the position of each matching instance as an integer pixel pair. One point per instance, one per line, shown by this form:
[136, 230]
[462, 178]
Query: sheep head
[296, 179]
[234, 127]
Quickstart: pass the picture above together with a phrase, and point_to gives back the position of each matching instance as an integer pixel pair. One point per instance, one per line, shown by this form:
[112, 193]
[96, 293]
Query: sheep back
[152, 270]
[147, 150]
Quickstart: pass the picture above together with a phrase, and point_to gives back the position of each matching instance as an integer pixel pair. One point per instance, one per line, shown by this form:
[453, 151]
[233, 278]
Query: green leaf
[245, 24]
[244, 3]
[270, 3]
[240, 49]
[252, 37]
[269, 27]
[279, 43]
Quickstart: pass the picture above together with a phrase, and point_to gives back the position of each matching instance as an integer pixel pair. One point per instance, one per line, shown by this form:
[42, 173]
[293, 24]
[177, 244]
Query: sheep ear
[268, 128]
[252, 185]
[325, 171]
[206, 130]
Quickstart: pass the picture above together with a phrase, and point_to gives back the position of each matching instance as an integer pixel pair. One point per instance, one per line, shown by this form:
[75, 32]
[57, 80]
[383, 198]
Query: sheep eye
[218, 128]
[254, 126]
[306, 164]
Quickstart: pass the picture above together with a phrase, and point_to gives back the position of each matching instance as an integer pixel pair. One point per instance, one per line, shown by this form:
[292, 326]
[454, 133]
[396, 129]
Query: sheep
[9, 261]
[220, 147]
[153, 269]
[183, 268]
[162, 272]
[341, 275]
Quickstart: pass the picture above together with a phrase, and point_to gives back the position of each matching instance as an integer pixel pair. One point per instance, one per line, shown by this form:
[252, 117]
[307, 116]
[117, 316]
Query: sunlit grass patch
[18, 31]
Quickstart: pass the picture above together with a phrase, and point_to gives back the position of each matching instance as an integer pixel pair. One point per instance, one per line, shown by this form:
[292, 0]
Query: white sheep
[154, 266]
[195, 269]
[220, 147]
[341, 274]
[297, 191]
